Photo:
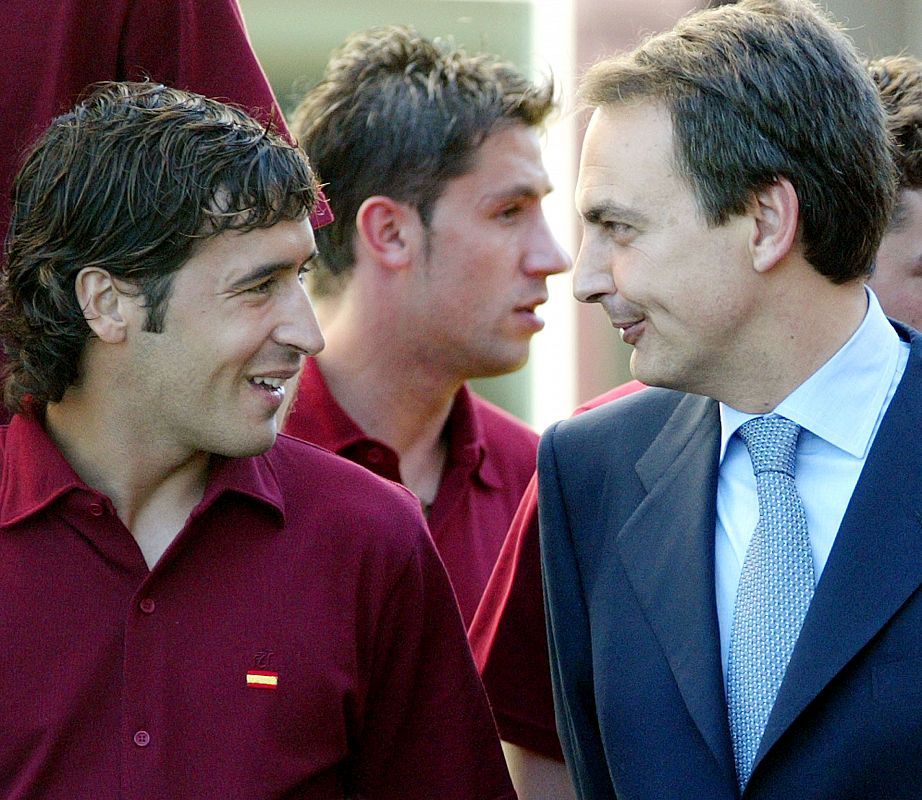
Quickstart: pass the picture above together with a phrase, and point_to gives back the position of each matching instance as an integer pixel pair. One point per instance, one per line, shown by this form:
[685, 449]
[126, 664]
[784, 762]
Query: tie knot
[772, 444]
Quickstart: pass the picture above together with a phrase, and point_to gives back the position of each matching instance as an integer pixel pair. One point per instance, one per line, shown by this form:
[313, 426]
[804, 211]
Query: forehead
[507, 161]
[233, 254]
[627, 154]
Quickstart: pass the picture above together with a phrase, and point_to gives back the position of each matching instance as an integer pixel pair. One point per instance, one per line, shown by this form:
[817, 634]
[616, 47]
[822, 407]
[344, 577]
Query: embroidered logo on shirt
[261, 679]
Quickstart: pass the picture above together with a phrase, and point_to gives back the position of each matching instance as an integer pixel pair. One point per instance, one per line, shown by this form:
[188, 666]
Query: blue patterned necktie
[775, 588]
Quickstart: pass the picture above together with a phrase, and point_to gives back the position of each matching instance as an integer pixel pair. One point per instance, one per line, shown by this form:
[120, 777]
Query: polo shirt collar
[319, 413]
[252, 477]
[323, 420]
[35, 474]
[466, 442]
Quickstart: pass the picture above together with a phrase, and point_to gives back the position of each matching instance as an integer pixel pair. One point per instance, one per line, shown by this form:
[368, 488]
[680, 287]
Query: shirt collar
[319, 418]
[466, 440]
[34, 474]
[842, 400]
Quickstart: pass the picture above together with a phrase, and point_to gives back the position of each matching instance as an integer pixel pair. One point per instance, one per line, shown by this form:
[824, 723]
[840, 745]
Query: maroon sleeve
[509, 639]
[198, 45]
[202, 46]
[508, 634]
[427, 730]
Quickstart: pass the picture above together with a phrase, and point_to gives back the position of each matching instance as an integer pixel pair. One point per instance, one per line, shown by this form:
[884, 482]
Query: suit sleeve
[569, 633]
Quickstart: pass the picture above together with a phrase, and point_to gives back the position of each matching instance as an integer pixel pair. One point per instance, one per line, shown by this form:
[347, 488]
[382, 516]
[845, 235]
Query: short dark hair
[763, 89]
[130, 180]
[899, 80]
[397, 114]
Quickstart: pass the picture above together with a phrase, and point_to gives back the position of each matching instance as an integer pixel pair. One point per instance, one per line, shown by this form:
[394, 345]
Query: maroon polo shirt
[491, 458]
[508, 634]
[299, 639]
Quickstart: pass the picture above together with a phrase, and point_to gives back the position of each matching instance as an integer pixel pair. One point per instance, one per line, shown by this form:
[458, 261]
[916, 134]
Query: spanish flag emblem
[257, 679]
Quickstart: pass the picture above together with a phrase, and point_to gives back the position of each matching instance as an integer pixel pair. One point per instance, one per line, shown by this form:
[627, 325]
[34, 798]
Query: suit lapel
[875, 563]
[667, 547]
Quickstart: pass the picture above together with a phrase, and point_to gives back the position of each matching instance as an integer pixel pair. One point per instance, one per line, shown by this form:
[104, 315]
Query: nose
[298, 328]
[592, 276]
[546, 256]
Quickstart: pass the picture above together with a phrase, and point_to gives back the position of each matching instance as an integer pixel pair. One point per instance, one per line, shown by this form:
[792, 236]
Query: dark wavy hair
[763, 89]
[397, 114]
[130, 181]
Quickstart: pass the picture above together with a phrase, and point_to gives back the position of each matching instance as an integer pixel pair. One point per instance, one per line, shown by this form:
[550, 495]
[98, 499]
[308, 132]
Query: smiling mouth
[630, 331]
[275, 386]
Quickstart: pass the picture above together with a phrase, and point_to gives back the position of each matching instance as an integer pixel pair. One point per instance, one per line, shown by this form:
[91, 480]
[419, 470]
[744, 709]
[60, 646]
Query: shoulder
[304, 468]
[636, 415]
[619, 433]
[612, 394]
[327, 494]
[510, 445]
[499, 425]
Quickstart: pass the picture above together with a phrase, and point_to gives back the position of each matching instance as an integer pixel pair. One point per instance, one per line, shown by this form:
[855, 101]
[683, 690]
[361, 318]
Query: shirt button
[97, 510]
[142, 738]
[375, 456]
[148, 606]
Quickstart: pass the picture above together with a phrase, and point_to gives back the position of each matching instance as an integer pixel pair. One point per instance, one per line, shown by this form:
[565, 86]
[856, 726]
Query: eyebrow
[257, 274]
[521, 190]
[595, 214]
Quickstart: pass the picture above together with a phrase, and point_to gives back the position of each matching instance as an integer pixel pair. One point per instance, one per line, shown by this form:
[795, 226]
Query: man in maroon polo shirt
[193, 607]
[430, 275]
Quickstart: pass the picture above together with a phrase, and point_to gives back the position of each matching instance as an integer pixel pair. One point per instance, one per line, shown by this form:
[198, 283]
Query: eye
[303, 273]
[616, 227]
[620, 232]
[264, 287]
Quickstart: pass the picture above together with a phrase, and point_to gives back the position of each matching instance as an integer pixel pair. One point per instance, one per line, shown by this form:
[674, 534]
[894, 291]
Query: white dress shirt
[839, 408]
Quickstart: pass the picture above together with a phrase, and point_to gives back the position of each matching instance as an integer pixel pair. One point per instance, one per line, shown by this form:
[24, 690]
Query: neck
[391, 393]
[798, 335]
[153, 491]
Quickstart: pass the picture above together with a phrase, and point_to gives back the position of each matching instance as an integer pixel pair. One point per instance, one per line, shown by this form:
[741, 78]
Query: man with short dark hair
[193, 606]
[731, 557]
[897, 278]
[431, 274]
[55, 50]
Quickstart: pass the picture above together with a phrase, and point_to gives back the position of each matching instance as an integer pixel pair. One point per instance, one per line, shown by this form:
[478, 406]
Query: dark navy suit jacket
[627, 514]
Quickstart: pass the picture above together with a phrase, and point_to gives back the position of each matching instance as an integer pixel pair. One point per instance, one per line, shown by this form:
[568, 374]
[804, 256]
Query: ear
[390, 231]
[102, 303]
[776, 215]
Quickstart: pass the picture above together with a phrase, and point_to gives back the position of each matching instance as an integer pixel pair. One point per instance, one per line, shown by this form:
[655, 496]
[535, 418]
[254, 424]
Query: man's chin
[248, 446]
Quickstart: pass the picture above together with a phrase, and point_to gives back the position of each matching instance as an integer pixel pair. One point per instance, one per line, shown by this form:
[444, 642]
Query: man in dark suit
[721, 625]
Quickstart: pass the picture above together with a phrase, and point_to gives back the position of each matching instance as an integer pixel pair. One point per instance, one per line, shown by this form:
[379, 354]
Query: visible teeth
[272, 383]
